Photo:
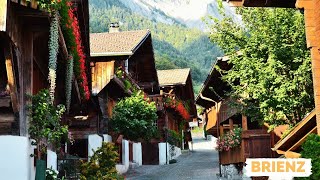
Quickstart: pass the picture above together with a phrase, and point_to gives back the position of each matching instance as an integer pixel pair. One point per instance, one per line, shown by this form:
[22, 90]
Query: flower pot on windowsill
[40, 170]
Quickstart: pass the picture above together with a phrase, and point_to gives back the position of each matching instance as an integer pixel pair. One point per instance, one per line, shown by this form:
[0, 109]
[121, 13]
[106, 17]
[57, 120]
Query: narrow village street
[199, 164]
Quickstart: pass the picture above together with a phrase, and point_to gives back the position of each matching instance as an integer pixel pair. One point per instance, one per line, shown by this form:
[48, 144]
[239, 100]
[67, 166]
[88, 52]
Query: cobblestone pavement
[200, 164]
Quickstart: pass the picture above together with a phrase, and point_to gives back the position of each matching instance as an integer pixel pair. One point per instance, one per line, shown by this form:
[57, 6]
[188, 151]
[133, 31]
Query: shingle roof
[118, 43]
[173, 76]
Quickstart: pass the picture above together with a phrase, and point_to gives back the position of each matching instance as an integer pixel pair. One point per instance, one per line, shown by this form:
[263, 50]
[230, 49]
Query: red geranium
[82, 77]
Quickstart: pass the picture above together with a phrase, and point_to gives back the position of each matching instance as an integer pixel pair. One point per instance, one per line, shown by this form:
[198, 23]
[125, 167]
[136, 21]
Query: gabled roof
[117, 43]
[173, 76]
[214, 87]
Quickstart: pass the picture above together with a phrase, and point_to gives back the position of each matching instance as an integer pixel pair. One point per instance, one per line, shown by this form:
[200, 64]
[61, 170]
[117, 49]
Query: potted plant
[45, 128]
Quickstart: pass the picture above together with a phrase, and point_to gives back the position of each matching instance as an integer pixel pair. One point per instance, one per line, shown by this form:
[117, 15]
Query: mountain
[186, 12]
[179, 41]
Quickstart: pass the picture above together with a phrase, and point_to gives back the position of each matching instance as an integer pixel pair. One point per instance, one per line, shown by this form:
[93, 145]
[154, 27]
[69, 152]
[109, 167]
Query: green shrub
[311, 149]
[102, 164]
[135, 118]
[44, 124]
[174, 138]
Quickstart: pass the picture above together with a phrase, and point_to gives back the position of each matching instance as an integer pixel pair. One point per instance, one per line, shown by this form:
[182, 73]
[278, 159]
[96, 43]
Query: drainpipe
[217, 124]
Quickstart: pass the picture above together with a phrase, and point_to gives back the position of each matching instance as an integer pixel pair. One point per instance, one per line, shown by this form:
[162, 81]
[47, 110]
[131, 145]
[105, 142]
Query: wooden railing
[158, 99]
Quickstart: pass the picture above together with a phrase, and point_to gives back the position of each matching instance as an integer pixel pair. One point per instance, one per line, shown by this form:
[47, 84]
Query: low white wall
[125, 153]
[32, 173]
[52, 160]
[15, 158]
[137, 153]
[94, 142]
[107, 138]
[177, 152]
[162, 154]
[123, 168]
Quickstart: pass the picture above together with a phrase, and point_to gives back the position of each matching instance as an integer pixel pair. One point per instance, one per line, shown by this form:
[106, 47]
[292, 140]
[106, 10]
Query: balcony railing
[158, 99]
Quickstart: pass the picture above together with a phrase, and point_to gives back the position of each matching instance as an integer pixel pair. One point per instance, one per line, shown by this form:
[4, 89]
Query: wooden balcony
[158, 99]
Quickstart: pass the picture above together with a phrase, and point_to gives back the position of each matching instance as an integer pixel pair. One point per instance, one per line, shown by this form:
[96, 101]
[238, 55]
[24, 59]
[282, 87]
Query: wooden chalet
[24, 55]
[177, 84]
[290, 145]
[121, 62]
[24, 34]
[220, 118]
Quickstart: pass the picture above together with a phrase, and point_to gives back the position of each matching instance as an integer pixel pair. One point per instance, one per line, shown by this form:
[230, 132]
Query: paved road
[201, 164]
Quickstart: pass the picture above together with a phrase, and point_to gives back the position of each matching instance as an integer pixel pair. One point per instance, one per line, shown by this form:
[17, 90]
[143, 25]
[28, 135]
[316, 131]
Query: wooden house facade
[220, 117]
[24, 60]
[24, 33]
[176, 85]
[121, 62]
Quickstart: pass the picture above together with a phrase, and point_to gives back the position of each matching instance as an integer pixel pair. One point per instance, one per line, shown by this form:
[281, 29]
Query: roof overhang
[262, 3]
[299, 134]
[111, 54]
[175, 84]
[115, 88]
[215, 82]
[126, 53]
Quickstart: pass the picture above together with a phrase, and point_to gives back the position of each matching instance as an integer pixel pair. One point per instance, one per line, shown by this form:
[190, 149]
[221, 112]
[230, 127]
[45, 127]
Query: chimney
[114, 27]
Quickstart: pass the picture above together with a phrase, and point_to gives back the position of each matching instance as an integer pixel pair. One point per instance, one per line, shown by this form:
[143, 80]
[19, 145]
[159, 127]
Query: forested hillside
[175, 45]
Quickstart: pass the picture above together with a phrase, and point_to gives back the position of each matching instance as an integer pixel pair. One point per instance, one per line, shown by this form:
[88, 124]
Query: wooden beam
[12, 80]
[62, 44]
[231, 123]
[301, 124]
[25, 77]
[244, 122]
[290, 154]
[279, 151]
[302, 140]
[221, 131]
[76, 86]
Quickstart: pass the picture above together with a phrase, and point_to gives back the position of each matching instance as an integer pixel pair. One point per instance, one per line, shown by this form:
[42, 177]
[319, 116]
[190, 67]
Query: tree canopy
[135, 118]
[271, 74]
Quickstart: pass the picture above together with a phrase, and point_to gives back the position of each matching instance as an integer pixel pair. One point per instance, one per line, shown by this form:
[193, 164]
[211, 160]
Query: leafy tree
[102, 165]
[135, 118]
[271, 76]
[311, 149]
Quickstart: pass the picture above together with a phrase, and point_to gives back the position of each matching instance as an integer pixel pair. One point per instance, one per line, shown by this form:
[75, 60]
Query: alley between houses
[199, 164]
